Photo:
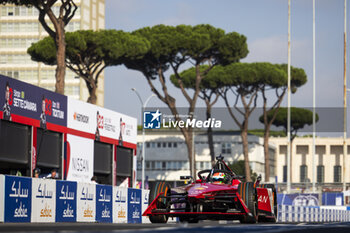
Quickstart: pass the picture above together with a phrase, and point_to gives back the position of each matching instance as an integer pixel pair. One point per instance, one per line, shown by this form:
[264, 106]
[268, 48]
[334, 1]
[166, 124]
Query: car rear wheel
[274, 195]
[247, 192]
[160, 187]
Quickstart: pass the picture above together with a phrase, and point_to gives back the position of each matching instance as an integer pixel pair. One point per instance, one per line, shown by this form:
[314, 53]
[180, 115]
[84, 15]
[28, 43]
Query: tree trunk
[92, 92]
[210, 138]
[244, 135]
[61, 58]
[267, 154]
[189, 151]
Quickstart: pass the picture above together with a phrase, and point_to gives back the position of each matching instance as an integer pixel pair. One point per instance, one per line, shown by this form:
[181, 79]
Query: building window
[303, 173]
[159, 144]
[153, 144]
[337, 173]
[320, 174]
[226, 148]
[158, 165]
[148, 165]
[169, 144]
[164, 144]
[147, 144]
[285, 173]
[163, 165]
[175, 144]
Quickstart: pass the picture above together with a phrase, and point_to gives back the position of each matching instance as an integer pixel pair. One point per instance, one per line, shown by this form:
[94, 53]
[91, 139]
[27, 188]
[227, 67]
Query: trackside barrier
[289, 213]
[24, 199]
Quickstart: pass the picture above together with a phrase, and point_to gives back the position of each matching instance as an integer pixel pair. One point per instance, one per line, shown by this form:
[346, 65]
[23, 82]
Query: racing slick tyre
[248, 194]
[274, 195]
[159, 187]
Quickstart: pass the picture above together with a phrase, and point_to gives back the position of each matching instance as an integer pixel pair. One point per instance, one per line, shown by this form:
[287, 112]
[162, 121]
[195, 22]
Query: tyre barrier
[289, 213]
[24, 199]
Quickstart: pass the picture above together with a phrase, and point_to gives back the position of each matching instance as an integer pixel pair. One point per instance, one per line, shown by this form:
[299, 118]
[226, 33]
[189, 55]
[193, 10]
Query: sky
[263, 22]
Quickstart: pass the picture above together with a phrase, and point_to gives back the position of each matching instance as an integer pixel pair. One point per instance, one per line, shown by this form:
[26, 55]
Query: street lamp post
[143, 134]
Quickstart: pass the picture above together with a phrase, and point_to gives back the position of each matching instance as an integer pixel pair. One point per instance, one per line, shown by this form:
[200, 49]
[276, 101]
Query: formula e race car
[218, 194]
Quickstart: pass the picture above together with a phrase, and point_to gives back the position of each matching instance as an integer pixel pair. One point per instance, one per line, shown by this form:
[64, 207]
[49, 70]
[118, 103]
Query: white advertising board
[81, 158]
[145, 195]
[120, 205]
[43, 200]
[2, 199]
[102, 122]
[86, 202]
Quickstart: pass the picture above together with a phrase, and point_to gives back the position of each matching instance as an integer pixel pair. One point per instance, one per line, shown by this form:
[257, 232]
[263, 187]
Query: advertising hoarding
[80, 158]
[18, 199]
[43, 200]
[134, 205]
[104, 207]
[101, 122]
[120, 207]
[66, 201]
[145, 196]
[2, 200]
[86, 206]
[22, 99]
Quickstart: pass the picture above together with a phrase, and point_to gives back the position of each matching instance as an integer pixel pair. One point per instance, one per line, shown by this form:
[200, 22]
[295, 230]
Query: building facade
[167, 159]
[19, 28]
[328, 162]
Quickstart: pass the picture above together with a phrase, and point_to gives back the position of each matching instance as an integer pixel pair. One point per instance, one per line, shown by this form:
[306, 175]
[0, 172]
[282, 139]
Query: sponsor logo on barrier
[21, 211]
[134, 199]
[305, 201]
[65, 194]
[120, 198]
[122, 213]
[86, 196]
[46, 212]
[136, 213]
[44, 193]
[106, 213]
[88, 212]
[104, 197]
[68, 212]
[18, 192]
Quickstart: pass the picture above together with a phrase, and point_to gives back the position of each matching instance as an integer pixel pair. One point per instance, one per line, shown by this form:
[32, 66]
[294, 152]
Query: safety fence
[24, 199]
[290, 213]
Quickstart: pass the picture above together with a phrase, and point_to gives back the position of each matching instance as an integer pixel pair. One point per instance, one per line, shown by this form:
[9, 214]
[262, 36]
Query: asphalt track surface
[202, 227]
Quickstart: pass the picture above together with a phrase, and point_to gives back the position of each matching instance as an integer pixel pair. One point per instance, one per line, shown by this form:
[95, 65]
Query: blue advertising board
[22, 99]
[18, 199]
[331, 198]
[298, 199]
[104, 203]
[134, 205]
[66, 201]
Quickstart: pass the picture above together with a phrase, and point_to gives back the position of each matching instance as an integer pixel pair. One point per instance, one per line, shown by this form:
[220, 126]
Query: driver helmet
[219, 177]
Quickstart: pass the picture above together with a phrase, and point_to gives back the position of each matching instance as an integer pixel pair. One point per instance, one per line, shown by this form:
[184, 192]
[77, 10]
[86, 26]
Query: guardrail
[290, 213]
[24, 199]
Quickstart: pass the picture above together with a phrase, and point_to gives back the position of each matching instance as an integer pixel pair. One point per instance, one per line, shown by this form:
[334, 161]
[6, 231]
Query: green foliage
[87, 47]
[299, 118]
[175, 45]
[260, 133]
[243, 75]
[239, 169]
[298, 76]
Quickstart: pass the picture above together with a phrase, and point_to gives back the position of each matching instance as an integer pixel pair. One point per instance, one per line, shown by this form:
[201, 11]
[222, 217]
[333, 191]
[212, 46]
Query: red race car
[218, 194]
